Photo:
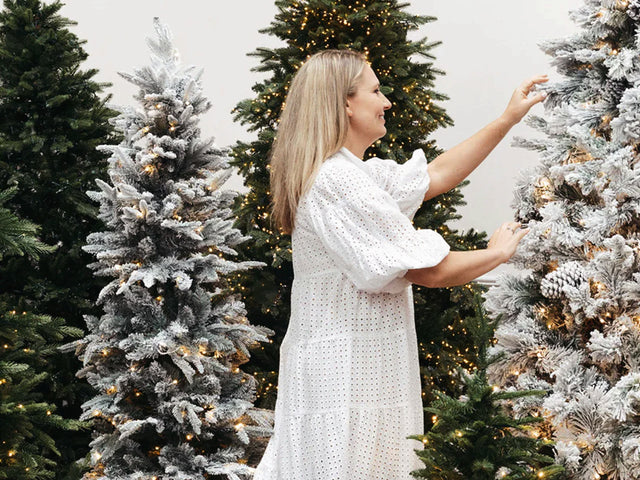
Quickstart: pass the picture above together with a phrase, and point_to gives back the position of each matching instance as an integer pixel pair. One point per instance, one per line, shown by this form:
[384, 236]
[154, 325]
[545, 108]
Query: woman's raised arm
[453, 166]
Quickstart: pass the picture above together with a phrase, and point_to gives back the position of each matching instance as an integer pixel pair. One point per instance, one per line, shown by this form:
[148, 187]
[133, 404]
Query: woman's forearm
[453, 166]
[458, 268]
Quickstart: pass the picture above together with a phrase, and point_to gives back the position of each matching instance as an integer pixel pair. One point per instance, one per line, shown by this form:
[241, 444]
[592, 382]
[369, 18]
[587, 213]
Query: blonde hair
[313, 126]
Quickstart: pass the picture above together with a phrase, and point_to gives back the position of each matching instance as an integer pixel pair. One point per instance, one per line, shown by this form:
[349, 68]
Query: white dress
[349, 388]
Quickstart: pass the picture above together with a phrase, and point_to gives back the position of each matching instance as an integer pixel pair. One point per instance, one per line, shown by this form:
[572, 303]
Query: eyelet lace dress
[349, 388]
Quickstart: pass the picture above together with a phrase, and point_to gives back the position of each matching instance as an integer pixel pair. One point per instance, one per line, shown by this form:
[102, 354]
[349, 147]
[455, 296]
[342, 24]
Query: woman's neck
[357, 148]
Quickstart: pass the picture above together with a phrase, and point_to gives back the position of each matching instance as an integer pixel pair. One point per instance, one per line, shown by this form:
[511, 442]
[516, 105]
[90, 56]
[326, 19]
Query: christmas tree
[27, 449]
[164, 357]
[51, 120]
[571, 313]
[473, 437]
[378, 29]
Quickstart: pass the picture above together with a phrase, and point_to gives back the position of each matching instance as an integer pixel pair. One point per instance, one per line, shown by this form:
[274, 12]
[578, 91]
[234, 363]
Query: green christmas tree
[473, 437]
[52, 117]
[27, 449]
[379, 29]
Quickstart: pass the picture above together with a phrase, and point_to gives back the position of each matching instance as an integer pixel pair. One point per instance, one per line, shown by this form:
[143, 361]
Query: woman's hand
[459, 268]
[506, 239]
[521, 102]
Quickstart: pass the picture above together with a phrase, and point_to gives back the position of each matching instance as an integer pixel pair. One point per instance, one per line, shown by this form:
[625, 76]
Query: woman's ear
[349, 111]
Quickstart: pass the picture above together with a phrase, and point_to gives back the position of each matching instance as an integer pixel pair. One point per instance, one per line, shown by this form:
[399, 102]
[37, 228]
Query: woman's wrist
[501, 255]
[508, 120]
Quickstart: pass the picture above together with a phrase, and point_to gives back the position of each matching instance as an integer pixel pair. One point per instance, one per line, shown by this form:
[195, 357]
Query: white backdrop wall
[488, 48]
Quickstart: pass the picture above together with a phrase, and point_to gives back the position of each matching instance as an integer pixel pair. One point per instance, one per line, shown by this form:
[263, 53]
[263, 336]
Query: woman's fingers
[519, 235]
[512, 226]
[506, 227]
[537, 98]
[507, 237]
[521, 101]
[527, 85]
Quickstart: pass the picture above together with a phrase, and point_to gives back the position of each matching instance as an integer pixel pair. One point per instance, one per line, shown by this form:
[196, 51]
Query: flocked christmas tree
[572, 321]
[473, 436]
[27, 449]
[52, 116]
[379, 29]
[165, 356]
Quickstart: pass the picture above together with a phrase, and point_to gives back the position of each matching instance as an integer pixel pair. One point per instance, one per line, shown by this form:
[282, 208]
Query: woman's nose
[387, 104]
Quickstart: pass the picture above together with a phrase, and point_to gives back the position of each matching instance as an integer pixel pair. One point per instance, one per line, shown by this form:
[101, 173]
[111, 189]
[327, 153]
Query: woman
[349, 385]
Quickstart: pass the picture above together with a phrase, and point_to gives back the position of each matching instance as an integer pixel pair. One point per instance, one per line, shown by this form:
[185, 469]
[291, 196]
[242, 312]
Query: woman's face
[366, 109]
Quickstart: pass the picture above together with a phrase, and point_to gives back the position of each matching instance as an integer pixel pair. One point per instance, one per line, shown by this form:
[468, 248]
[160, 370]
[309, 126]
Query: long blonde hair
[313, 126]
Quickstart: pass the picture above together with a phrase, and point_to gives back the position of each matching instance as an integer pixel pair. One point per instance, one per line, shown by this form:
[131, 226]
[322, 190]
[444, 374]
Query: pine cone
[570, 273]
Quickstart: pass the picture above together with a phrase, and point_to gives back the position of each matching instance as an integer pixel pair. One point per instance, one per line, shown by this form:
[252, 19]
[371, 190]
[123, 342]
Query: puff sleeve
[365, 232]
[406, 183]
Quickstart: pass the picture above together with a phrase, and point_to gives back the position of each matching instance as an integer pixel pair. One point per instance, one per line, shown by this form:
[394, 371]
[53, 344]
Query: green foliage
[27, 341]
[17, 237]
[406, 72]
[27, 447]
[473, 437]
[51, 120]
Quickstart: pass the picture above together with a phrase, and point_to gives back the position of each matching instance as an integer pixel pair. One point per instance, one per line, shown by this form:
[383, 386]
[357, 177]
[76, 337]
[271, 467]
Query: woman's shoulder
[342, 185]
[338, 172]
[340, 167]
[337, 180]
